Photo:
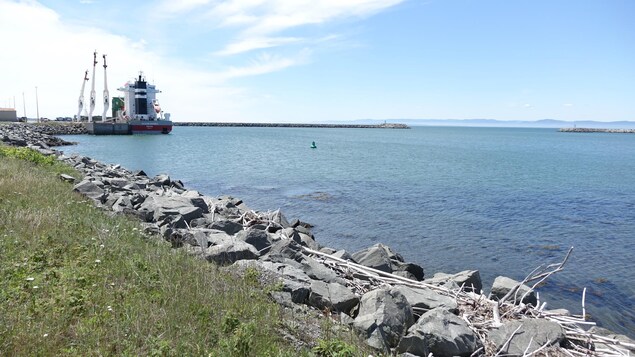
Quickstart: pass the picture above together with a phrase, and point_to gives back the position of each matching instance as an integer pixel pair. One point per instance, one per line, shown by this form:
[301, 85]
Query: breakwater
[597, 130]
[291, 125]
[387, 300]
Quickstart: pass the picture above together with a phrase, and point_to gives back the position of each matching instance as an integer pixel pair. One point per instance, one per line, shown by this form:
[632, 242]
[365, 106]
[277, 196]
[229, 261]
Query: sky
[328, 60]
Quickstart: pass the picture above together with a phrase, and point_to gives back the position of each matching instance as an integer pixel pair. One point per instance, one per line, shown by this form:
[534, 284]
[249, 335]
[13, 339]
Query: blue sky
[325, 60]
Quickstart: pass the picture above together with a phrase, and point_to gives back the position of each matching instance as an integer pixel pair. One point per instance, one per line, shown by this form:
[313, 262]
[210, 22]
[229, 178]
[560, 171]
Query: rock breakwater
[597, 130]
[291, 125]
[388, 301]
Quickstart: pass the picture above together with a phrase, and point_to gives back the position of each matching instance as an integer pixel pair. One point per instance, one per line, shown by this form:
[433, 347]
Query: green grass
[78, 281]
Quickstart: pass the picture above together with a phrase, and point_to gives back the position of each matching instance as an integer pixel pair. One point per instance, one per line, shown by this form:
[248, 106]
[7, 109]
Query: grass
[78, 281]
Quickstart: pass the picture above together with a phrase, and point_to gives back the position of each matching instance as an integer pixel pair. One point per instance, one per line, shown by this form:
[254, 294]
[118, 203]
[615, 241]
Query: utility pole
[24, 106]
[37, 106]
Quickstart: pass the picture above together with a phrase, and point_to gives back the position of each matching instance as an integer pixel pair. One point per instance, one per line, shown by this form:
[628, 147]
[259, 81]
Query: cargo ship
[138, 112]
[141, 109]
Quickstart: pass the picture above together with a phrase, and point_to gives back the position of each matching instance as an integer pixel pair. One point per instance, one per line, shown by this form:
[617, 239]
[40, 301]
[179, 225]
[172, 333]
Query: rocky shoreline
[388, 301]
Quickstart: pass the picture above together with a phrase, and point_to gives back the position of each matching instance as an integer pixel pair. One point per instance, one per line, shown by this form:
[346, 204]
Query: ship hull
[150, 126]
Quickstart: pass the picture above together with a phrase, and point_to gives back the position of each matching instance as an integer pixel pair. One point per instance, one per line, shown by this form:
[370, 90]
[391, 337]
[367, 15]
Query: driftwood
[480, 312]
[483, 314]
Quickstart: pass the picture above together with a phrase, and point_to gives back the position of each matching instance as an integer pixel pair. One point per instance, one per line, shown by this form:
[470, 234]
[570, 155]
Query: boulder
[67, 178]
[622, 339]
[122, 203]
[285, 249]
[343, 254]
[255, 237]
[503, 285]
[376, 257]
[383, 258]
[469, 279]
[530, 336]
[160, 180]
[383, 318]
[332, 296]
[318, 271]
[91, 190]
[423, 300]
[163, 206]
[228, 253]
[227, 226]
[440, 333]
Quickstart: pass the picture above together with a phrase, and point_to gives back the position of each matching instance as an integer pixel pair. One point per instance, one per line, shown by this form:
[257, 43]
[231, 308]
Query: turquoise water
[499, 200]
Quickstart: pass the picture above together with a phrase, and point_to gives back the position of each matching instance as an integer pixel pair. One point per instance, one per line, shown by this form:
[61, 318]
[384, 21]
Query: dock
[100, 128]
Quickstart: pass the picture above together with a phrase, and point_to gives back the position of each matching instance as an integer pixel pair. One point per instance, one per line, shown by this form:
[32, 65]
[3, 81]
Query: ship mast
[106, 94]
[81, 97]
[92, 90]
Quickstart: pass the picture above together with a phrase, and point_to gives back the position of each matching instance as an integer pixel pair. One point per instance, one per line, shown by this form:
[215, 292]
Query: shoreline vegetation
[386, 301]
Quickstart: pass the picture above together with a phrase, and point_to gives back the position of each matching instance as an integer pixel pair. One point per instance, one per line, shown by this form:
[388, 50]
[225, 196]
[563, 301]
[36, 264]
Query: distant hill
[543, 123]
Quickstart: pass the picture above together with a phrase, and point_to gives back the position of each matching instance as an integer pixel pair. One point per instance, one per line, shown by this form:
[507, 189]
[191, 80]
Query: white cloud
[53, 55]
[260, 19]
[256, 43]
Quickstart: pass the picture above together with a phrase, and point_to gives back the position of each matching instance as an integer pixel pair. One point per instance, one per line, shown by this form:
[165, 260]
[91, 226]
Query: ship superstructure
[141, 108]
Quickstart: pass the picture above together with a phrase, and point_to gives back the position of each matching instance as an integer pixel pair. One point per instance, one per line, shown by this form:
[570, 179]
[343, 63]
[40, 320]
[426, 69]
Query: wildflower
[30, 279]
[35, 287]
[109, 308]
[101, 246]
[45, 335]
[97, 261]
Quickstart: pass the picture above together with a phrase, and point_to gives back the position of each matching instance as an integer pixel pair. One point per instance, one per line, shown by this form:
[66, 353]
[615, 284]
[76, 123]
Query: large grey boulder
[332, 296]
[227, 226]
[285, 249]
[383, 258]
[383, 318]
[441, 333]
[423, 300]
[319, 271]
[255, 237]
[530, 336]
[469, 279]
[503, 285]
[163, 206]
[228, 253]
[91, 190]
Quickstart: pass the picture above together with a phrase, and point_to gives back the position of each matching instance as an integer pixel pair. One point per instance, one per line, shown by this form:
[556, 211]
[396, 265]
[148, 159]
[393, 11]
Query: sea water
[500, 200]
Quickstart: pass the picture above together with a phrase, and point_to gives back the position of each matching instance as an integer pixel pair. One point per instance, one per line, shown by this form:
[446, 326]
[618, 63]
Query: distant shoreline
[297, 125]
[596, 130]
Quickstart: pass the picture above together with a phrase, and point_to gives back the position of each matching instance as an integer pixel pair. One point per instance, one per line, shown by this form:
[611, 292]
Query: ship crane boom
[106, 94]
[81, 97]
[92, 90]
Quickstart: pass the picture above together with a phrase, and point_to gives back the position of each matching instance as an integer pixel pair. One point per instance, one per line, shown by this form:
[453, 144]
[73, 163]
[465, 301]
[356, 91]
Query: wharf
[101, 128]
[597, 130]
[292, 125]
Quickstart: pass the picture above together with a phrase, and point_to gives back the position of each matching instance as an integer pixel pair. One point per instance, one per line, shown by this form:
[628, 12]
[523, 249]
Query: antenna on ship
[106, 94]
[81, 97]
[92, 90]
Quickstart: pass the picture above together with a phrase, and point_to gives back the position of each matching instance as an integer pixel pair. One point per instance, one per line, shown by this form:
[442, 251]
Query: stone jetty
[291, 125]
[389, 302]
[597, 130]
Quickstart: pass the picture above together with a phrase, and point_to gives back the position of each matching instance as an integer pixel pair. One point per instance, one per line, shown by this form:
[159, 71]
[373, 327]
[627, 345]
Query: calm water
[495, 199]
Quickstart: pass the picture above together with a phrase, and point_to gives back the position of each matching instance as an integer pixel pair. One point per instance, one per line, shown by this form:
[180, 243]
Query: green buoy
[313, 145]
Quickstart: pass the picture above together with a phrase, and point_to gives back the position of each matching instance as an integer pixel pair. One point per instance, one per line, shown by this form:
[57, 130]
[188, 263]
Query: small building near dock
[8, 114]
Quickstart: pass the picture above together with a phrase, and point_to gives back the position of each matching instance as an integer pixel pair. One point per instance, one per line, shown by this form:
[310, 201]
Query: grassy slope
[77, 281]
